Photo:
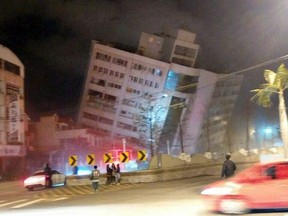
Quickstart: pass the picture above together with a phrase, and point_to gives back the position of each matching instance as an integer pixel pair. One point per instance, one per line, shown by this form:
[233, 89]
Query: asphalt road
[168, 198]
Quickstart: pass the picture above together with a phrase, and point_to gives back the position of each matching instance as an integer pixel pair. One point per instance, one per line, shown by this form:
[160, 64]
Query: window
[181, 61]
[90, 116]
[141, 81]
[116, 74]
[156, 71]
[129, 90]
[111, 72]
[103, 57]
[135, 79]
[122, 75]
[106, 71]
[99, 82]
[8, 66]
[12, 90]
[119, 61]
[95, 68]
[180, 82]
[110, 97]
[185, 51]
[138, 67]
[105, 120]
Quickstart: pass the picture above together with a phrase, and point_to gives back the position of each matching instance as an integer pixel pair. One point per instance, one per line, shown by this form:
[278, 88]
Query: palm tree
[276, 83]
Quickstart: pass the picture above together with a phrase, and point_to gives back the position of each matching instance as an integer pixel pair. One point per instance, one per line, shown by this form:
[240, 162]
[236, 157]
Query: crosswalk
[80, 190]
[59, 193]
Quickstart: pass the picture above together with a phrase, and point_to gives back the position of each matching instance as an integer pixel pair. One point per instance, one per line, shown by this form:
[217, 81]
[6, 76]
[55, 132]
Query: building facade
[13, 120]
[143, 96]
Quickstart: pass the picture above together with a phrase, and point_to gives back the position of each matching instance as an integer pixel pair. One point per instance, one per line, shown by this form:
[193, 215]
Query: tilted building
[147, 92]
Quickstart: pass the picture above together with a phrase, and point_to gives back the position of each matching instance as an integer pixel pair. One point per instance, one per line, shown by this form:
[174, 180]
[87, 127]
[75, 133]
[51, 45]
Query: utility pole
[181, 137]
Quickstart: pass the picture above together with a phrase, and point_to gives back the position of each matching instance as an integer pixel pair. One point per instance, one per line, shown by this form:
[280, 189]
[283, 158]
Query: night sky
[52, 37]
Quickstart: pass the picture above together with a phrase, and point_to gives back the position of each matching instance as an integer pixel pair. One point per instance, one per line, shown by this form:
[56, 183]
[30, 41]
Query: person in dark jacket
[108, 174]
[228, 167]
[48, 173]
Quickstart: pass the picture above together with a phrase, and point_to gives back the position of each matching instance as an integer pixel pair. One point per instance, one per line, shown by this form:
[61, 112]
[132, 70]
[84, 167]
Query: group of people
[113, 176]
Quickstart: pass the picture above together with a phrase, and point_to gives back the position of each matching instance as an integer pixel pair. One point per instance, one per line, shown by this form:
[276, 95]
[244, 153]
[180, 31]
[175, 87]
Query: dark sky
[52, 37]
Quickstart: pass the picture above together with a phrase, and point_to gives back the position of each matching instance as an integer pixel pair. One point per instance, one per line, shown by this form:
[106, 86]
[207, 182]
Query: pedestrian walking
[117, 174]
[228, 167]
[95, 178]
[113, 167]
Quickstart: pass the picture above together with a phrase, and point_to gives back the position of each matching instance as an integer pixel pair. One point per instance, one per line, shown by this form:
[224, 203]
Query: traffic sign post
[73, 160]
[90, 159]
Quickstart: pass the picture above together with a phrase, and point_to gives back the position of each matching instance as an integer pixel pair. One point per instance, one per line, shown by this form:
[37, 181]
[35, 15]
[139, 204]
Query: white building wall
[196, 111]
[16, 80]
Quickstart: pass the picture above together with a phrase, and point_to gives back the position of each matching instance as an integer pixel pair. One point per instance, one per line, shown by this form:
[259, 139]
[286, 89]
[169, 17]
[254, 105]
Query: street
[177, 197]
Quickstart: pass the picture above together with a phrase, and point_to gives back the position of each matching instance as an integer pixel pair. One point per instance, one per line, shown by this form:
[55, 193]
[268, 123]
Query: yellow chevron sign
[124, 157]
[72, 160]
[107, 158]
[142, 155]
[90, 159]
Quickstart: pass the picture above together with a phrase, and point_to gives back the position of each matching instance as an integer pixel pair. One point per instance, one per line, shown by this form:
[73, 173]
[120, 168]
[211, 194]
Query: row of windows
[142, 81]
[122, 62]
[107, 58]
[153, 71]
[126, 126]
[106, 71]
[101, 82]
[98, 118]
[126, 114]
[100, 95]
[133, 91]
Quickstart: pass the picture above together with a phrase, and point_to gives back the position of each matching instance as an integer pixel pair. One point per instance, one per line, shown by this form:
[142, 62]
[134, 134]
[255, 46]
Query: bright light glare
[268, 130]
[33, 180]
[217, 191]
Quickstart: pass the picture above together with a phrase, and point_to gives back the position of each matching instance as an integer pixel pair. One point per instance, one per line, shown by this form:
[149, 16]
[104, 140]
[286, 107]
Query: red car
[262, 186]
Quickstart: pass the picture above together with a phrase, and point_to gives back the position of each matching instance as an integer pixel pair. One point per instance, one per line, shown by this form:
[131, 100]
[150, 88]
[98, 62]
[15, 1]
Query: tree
[276, 83]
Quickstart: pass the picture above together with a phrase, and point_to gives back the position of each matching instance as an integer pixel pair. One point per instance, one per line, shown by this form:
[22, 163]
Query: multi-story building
[136, 94]
[12, 115]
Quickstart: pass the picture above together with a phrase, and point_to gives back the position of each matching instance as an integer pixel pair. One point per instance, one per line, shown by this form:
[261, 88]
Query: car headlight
[217, 191]
[228, 188]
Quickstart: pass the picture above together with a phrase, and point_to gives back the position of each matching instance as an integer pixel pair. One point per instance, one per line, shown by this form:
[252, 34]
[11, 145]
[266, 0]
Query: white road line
[28, 203]
[11, 203]
[62, 198]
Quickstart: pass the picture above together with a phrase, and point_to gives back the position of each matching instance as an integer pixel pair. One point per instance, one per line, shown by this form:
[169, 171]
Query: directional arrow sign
[124, 157]
[90, 159]
[142, 155]
[107, 158]
[73, 160]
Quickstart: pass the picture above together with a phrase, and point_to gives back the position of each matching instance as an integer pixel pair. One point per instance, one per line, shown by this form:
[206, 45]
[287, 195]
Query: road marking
[11, 203]
[28, 203]
[61, 198]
